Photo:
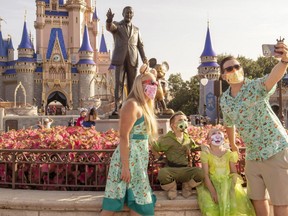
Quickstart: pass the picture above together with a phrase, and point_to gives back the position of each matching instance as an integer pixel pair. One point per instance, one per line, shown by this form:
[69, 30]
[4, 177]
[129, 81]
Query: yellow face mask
[235, 77]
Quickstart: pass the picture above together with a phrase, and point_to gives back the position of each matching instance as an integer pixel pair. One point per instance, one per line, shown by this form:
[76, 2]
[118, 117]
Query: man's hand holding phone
[268, 50]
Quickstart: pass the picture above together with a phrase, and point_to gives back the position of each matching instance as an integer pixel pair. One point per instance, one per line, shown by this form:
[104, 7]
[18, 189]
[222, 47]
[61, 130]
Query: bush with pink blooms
[68, 138]
[59, 137]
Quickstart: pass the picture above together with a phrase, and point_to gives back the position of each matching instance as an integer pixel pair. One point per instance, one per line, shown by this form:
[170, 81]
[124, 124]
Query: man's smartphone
[269, 50]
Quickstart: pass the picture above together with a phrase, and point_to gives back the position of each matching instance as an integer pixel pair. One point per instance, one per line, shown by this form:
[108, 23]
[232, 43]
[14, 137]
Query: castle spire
[10, 44]
[86, 46]
[95, 16]
[1, 19]
[2, 47]
[103, 47]
[209, 66]
[25, 41]
[208, 50]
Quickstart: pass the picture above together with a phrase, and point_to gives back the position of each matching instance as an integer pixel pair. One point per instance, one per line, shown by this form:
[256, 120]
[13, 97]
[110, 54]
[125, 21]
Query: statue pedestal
[113, 116]
[164, 116]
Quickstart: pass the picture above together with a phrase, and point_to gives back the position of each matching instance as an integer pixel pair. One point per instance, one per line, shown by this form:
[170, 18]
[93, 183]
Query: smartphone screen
[268, 50]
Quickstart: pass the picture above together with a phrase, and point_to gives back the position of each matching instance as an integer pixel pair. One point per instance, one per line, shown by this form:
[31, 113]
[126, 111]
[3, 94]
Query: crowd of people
[87, 119]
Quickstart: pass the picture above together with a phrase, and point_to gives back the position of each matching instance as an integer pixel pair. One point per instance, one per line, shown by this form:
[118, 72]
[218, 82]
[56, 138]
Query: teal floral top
[254, 119]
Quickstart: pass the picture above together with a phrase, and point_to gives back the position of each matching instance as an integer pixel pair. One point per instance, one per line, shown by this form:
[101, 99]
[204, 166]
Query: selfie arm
[279, 69]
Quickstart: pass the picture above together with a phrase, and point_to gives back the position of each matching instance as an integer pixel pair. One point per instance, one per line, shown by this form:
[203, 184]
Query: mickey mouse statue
[162, 91]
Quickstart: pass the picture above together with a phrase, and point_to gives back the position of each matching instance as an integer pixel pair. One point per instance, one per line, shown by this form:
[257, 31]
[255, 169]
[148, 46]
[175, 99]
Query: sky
[175, 30]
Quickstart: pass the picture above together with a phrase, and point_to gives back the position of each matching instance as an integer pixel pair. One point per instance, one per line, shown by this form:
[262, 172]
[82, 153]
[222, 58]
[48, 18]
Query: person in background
[91, 118]
[80, 120]
[177, 146]
[128, 180]
[39, 125]
[246, 105]
[53, 110]
[222, 192]
[47, 122]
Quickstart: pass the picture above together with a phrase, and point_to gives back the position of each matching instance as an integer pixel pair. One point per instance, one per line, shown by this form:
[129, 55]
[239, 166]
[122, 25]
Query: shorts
[268, 175]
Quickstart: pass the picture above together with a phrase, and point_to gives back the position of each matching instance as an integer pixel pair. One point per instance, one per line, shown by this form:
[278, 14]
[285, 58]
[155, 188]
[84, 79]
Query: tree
[185, 94]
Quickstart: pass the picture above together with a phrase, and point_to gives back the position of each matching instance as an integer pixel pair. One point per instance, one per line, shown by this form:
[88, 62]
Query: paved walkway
[81, 203]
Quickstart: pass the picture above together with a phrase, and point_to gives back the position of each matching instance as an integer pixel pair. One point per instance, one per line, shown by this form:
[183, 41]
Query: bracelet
[284, 62]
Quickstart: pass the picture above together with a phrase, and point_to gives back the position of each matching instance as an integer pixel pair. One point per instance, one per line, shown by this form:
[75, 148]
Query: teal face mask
[182, 125]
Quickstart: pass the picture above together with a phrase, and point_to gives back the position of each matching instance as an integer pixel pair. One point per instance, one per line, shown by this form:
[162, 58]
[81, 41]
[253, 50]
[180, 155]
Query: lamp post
[280, 114]
[217, 93]
[204, 82]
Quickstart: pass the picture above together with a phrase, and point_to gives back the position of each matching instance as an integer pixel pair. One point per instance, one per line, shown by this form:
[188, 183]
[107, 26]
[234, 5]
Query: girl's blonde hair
[137, 93]
[211, 131]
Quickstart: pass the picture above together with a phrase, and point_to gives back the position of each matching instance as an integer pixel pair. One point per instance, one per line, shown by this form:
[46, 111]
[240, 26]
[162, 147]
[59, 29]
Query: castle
[68, 64]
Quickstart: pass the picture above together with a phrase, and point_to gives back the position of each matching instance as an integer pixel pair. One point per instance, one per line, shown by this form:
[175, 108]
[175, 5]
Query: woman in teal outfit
[128, 180]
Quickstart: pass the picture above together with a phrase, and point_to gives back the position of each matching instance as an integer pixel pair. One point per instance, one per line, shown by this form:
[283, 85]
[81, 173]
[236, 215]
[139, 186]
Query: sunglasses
[230, 68]
[150, 82]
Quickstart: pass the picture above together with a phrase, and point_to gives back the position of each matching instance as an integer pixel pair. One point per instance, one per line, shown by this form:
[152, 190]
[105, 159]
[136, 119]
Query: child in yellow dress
[221, 194]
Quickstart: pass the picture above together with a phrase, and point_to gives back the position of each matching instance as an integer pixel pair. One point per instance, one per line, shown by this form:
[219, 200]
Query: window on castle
[61, 73]
[54, 6]
[52, 73]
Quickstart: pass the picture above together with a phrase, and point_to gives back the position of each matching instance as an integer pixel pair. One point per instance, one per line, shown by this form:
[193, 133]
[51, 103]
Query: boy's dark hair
[176, 114]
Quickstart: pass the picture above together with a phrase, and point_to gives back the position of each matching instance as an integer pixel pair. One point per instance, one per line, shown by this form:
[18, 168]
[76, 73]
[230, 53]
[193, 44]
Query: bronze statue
[162, 91]
[128, 43]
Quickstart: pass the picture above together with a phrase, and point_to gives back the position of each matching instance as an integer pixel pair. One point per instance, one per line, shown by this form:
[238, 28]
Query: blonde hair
[211, 131]
[137, 93]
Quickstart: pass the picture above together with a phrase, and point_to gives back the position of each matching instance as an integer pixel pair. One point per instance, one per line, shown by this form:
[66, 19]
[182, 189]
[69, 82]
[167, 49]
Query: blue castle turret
[208, 72]
[103, 55]
[10, 50]
[25, 67]
[103, 47]
[86, 67]
[209, 67]
[95, 16]
[3, 48]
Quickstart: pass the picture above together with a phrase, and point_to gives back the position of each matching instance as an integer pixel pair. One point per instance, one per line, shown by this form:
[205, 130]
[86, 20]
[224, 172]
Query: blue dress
[137, 194]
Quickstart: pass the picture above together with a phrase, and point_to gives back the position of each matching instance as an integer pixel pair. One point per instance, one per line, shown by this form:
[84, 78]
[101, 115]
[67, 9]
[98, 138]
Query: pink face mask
[150, 91]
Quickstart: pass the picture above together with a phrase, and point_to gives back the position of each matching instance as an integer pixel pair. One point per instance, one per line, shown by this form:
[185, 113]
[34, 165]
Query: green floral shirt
[254, 119]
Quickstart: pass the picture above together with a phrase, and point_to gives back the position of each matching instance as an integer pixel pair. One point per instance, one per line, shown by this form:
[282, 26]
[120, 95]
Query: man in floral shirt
[245, 105]
[177, 145]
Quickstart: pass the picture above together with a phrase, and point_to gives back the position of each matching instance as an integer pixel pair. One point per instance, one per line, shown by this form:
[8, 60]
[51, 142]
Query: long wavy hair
[137, 93]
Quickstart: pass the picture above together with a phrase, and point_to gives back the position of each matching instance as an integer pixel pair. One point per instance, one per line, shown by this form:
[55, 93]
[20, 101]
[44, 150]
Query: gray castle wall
[84, 85]
[38, 92]
[9, 89]
[27, 80]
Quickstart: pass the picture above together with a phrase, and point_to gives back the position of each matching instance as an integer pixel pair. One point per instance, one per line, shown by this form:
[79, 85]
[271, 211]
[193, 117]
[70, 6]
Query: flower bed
[66, 158]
